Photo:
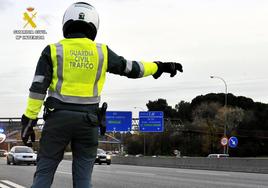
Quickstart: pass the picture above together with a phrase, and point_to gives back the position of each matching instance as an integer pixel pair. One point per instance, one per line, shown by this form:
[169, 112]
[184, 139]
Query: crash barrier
[256, 165]
[253, 165]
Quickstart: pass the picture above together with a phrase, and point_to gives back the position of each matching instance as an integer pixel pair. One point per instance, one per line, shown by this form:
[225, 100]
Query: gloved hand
[27, 130]
[168, 67]
[102, 118]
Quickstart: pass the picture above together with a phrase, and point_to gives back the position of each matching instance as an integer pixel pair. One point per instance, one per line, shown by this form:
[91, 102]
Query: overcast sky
[226, 38]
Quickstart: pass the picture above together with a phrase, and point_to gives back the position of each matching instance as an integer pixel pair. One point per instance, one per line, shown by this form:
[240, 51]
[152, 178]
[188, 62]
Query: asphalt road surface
[124, 176]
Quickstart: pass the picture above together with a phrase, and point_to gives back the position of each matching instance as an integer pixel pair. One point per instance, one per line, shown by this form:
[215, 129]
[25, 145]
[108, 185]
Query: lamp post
[225, 105]
[144, 141]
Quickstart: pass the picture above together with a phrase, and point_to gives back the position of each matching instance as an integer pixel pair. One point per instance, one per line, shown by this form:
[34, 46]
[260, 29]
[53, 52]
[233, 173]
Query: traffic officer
[73, 71]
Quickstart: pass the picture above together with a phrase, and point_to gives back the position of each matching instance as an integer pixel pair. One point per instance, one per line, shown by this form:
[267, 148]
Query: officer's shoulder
[46, 50]
[100, 43]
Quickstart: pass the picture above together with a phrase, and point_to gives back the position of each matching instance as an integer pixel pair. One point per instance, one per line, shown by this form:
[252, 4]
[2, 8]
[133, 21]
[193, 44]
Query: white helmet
[83, 16]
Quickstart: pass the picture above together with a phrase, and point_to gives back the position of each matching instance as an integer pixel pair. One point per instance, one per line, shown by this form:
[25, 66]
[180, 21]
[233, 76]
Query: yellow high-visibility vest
[79, 69]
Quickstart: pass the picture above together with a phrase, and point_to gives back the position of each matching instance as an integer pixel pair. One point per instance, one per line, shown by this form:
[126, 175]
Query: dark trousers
[61, 128]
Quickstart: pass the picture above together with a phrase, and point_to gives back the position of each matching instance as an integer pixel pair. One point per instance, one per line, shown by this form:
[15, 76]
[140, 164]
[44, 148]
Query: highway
[124, 176]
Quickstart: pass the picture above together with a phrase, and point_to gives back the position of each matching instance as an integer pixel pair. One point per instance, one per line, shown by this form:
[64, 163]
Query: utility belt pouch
[47, 112]
[102, 118]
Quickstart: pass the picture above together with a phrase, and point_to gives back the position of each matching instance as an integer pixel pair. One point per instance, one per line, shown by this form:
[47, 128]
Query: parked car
[102, 157]
[139, 155]
[21, 155]
[220, 155]
[3, 153]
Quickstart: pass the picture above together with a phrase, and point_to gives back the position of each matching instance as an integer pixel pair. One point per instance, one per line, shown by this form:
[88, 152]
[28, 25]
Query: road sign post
[118, 121]
[224, 141]
[233, 142]
[151, 121]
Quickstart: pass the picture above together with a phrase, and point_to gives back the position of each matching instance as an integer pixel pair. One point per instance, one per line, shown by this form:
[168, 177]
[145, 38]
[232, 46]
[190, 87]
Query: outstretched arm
[135, 69]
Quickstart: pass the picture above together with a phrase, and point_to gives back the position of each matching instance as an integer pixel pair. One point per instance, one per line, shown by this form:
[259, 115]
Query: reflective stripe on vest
[59, 52]
[79, 68]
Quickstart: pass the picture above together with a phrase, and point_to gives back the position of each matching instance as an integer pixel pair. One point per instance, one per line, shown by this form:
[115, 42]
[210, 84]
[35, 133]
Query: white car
[102, 157]
[21, 155]
[220, 155]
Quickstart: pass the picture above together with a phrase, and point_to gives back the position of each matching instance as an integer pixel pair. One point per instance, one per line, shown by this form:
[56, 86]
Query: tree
[204, 116]
[161, 105]
[232, 116]
[183, 111]
[196, 128]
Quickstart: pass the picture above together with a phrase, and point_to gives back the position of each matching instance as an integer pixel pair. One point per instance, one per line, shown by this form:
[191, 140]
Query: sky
[224, 38]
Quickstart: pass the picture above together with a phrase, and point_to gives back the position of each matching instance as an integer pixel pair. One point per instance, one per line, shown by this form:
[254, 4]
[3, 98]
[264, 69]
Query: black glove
[102, 118]
[27, 130]
[168, 67]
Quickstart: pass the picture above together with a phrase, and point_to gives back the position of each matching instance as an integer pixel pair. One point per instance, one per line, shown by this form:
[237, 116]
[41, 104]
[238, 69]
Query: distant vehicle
[3, 153]
[21, 155]
[220, 155]
[102, 157]
[112, 153]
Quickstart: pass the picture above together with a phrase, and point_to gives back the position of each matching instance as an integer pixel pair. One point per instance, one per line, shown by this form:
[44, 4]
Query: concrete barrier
[224, 164]
[251, 165]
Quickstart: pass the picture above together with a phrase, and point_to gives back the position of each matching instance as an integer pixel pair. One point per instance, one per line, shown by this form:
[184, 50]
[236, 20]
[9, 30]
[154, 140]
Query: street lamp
[225, 105]
[144, 148]
[139, 108]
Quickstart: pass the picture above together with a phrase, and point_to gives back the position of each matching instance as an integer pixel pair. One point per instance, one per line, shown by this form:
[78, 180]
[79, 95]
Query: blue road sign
[2, 130]
[118, 121]
[233, 141]
[151, 121]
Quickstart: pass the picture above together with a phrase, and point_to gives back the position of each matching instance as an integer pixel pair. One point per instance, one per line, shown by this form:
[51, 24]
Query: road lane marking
[3, 186]
[61, 172]
[7, 182]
